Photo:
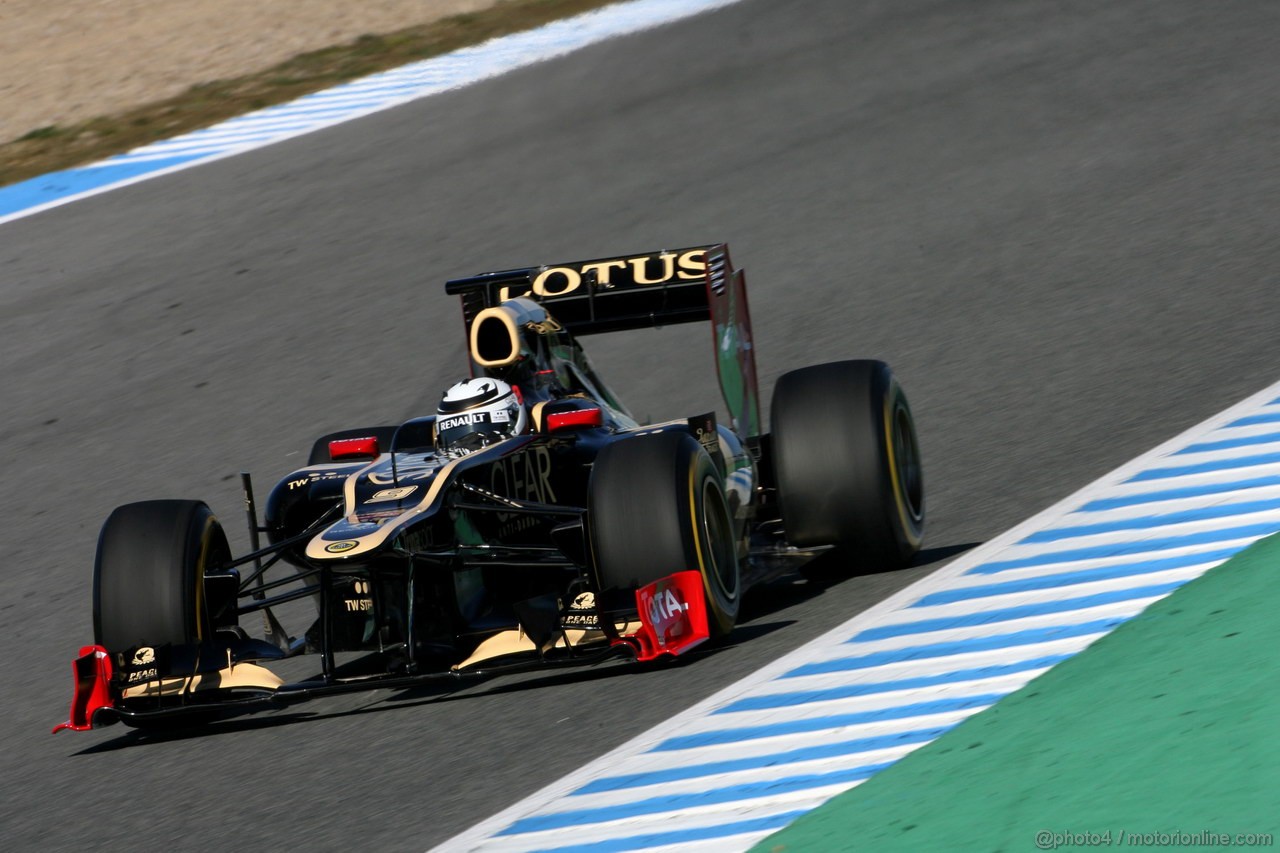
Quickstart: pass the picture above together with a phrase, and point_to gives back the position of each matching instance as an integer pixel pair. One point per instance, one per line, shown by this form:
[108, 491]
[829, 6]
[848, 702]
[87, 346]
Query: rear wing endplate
[659, 288]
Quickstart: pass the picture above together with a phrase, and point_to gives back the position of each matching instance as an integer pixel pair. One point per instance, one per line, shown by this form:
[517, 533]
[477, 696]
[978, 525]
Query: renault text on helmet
[476, 413]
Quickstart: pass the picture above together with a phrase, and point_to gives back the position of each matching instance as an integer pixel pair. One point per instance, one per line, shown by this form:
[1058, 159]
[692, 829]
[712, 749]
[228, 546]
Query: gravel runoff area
[72, 60]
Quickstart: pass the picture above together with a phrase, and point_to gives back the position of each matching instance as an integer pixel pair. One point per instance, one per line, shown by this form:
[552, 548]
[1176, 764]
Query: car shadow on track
[832, 567]
[823, 573]
[941, 553]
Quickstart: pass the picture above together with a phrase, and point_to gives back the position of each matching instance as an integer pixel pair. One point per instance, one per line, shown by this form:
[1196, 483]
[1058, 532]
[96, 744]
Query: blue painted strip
[1229, 443]
[678, 836]
[986, 617]
[817, 724]
[1105, 573]
[56, 185]
[394, 87]
[1254, 420]
[1121, 549]
[682, 802]
[1147, 522]
[848, 691]
[1205, 467]
[776, 759]
[1029, 637]
[1202, 490]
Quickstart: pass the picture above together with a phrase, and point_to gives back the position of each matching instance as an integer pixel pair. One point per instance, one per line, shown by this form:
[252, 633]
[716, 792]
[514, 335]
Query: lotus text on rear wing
[668, 266]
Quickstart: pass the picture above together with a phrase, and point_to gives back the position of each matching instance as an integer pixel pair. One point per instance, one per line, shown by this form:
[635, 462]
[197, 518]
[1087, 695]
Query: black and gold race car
[531, 522]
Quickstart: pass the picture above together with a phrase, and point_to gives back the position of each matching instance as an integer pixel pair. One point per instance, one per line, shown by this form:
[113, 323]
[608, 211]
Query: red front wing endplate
[673, 616]
[92, 671]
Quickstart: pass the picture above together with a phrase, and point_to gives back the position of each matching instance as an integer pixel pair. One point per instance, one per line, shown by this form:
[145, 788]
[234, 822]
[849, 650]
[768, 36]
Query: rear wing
[659, 288]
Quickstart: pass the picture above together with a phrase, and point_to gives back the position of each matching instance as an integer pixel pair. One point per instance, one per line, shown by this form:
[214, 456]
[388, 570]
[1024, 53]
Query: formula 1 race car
[531, 522]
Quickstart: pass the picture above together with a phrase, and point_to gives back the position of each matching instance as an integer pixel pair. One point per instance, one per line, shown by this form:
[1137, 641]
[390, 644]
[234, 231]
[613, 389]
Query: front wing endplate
[92, 671]
[673, 616]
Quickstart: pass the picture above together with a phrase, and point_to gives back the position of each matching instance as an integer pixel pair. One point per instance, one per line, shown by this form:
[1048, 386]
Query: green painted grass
[1170, 724]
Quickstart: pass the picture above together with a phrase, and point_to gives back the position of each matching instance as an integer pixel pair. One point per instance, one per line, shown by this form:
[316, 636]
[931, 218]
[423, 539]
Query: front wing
[672, 620]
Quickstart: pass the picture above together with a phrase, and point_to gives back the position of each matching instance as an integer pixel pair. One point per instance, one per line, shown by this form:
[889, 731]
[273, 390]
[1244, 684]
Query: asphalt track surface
[1057, 225]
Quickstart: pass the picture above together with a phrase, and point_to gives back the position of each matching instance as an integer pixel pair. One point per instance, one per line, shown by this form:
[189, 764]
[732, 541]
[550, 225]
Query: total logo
[666, 607]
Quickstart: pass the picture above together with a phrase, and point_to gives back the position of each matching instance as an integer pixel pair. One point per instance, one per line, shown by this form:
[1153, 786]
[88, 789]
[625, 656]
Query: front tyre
[657, 506]
[847, 462]
[148, 578]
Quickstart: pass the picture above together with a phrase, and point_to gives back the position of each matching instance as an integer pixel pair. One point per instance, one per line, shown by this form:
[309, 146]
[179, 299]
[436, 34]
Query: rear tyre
[657, 506]
[847, 462]
[148, 578]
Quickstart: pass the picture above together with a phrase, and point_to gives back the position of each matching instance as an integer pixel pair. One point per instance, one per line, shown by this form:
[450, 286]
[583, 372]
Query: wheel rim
[906, 458]
[720, 547]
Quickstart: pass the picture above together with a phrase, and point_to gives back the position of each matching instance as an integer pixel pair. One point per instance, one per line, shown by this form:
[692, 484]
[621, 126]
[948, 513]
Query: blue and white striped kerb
[764, 751]
[347, 102]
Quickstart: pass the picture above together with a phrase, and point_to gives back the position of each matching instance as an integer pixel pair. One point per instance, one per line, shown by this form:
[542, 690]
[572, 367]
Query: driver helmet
[476, 413]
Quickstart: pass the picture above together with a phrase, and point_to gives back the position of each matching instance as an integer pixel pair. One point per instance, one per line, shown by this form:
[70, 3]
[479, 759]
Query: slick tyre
[657, 506]
[148, 578]
[847, 463]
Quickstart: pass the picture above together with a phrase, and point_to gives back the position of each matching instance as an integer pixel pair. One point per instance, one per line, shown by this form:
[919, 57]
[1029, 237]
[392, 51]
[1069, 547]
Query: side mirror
[343, 449]
[592, 417]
